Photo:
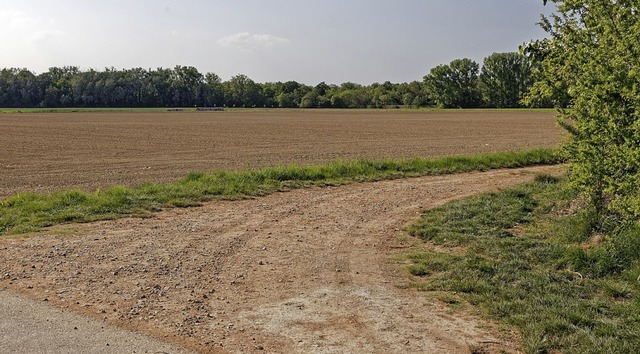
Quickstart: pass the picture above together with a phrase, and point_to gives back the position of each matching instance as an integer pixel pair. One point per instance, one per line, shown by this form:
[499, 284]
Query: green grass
[529, 261]
[30, 212]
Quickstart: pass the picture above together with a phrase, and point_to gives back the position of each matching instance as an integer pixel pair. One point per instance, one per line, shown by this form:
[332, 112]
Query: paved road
[27, 326]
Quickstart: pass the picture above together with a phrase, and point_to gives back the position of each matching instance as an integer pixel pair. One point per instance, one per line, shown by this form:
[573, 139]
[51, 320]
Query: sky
[335, 41]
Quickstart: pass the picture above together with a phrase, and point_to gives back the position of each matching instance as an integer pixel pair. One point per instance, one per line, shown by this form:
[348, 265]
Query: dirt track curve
[306, 271]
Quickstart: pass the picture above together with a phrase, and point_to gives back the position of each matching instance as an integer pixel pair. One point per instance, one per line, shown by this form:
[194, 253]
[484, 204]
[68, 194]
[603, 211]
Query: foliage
[505, 79]
[516, 255]
[241, 91]
[29, 212]
[185, 86]
[454, 85]
[593, 56]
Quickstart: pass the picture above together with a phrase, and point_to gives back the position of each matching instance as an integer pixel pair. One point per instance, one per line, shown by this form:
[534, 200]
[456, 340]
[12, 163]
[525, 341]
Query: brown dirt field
[306, 271]
[50, 151]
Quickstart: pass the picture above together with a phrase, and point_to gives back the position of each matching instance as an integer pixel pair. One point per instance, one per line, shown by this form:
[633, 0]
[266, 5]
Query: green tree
[455, 85]
[213, 90]
[557, 96]
[318, 97]
[350, 95]
[593, 55]
[160, 87]
[382, 95]
[19, 88]
[310, 99]
[185, 84]
[505, 79]
[83, 87]
[412, 94]
[241, 91]
[289, 94]
[58, 90]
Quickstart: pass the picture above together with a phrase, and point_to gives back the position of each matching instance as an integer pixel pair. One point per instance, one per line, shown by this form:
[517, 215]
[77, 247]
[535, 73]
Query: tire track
[305, 271]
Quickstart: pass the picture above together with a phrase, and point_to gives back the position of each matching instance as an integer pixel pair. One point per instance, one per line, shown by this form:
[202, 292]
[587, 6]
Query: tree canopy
[185, 86]
[455, 84]
[505, 79]
[459, 84]
[593, 57]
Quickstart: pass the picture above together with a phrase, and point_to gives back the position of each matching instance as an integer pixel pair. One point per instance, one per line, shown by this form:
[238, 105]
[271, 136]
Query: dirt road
[307, 271]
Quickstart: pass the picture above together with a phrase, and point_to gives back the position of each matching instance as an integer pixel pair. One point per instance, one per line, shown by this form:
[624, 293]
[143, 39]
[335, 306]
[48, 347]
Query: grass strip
[30, 212]
[525, 256]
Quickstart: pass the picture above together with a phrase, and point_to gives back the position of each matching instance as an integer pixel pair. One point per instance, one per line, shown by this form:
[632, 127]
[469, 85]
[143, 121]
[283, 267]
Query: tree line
[502, 82]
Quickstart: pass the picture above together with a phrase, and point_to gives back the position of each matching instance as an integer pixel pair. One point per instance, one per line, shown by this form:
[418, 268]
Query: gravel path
[306, 271]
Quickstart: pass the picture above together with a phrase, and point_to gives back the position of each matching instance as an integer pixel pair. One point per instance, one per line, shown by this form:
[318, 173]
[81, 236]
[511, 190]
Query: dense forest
[502, 82]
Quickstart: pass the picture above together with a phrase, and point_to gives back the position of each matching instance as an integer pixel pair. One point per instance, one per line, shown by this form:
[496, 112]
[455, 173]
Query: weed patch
[527, 264]
[31, 212]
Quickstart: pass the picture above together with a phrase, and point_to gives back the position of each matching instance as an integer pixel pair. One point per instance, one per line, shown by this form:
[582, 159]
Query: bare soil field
[306, 271]
[43, 152]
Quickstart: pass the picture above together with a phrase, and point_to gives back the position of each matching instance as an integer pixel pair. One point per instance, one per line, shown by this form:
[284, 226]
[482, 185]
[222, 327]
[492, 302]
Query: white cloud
[248, 41]
[18, 26]
[45, 35]
[14, 20]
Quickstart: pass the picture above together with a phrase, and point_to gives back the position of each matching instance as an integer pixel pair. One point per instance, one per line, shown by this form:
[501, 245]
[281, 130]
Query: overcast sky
[335, 41]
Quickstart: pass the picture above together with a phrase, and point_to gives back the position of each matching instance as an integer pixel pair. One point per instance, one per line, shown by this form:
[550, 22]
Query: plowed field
[46, 152]
[308, 271]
